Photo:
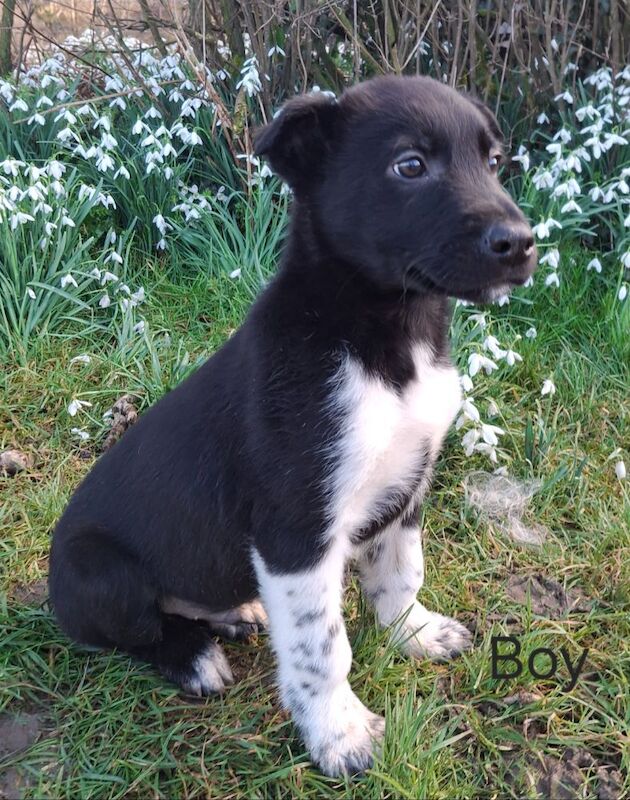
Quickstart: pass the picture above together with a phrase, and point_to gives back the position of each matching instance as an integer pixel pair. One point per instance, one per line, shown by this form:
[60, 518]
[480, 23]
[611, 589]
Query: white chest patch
[386, 435]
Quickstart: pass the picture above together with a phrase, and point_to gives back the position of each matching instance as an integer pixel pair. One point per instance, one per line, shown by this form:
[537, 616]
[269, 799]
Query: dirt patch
[14, 461]
[566, 777]
[548, 598]
[17, 733]
[31, 594]
[123, 415]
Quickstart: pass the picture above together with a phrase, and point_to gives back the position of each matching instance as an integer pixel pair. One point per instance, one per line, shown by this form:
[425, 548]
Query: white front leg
[391, 572]
[314, 659]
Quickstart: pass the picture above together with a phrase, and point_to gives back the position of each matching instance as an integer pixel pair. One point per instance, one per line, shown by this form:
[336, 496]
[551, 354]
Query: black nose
[509, 242]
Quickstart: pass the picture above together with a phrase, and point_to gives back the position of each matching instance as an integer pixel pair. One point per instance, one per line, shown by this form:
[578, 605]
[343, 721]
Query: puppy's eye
[411, 167]
[494, 161]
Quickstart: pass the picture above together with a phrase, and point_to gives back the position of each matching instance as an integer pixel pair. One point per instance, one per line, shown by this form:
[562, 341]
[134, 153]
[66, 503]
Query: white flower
[503, 300]
[491, 343]
[82, 359]
[470, 439]
[543, 180]
[470, 412]
[531, 333]
[493, 409]
[543, 229]
[548, 387]
[542, 119]
[511, 357]
[68, 280]
[553, 279]
[625, 259]
[620, 470]
[622, 293]
[522, 157]
[551, 257]
[80, 434]
[480, 319]
[477, 361]
[487, 449]
[105, 301]
[76, 405]
[489, 434]
[19, 218]
[114, 256]
[566, 96]
[236, 273]
[466, 383]
[108, 277]
[570, 207]
[139, 327]
[595, 264]
[19, 105]
[30, 292]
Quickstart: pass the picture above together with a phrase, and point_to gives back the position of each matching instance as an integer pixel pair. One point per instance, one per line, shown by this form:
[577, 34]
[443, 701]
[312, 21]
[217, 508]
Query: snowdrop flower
[80, 434]
[236, 273]
[488, 450]
[105, 301]
[542, 119]
[543, 180]
[620, 470]
[570, 207]
[493, 409]
[139, 296]
[491, 343]
[543, 229]
[36, 118]
[30, 292]
[564, 135]
[595, 264]
[622, 293]
[480, 319]
[82, 359]
[504, 300]
[511, 357]
[566, 96]
[275, 49]
[76, 405]
[531, 333]
[68, 280]
[523, 158]
[551, 257]
[139, 327]
[122, 172]
[477, 361]
[548, 387]
[161, 245]
[553, 279]
[466, 383]
[20, 218]
[65, 220]
[18, 105]
[114, 256]
[108, 277]
[469, 440]
[489, 434]
[625, 259]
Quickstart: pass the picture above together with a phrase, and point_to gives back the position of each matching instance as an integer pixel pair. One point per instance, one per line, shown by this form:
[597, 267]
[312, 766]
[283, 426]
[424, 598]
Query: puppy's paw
[434, 636]
[240, 622]
[209, 672]
[345, 738]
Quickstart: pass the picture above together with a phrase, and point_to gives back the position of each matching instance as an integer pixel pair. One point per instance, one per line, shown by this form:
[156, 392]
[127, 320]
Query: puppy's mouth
[494, 286]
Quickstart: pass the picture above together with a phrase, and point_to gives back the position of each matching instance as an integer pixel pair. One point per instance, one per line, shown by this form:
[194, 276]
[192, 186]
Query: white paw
[345, 736]
[210, 672]
[425, 634]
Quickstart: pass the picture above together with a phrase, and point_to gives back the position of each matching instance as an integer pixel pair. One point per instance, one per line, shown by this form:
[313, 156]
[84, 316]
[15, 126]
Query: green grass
[110, 728]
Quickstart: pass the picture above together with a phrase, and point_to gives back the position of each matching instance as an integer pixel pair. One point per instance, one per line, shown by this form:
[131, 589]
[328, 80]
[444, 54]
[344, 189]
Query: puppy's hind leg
[103, 596]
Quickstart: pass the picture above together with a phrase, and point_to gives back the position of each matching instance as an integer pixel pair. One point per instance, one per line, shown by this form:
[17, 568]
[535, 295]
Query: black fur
[236, 455]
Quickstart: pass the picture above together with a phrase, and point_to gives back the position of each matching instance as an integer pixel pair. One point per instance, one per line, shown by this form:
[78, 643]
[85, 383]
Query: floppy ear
[298, 139]
[490, 119]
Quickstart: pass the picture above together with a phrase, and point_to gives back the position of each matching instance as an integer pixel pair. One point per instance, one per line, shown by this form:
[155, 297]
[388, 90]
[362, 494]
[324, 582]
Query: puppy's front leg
[391, 571]
[314, 658]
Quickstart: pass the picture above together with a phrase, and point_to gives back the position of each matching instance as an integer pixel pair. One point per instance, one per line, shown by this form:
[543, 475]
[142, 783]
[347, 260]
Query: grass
[109, 728]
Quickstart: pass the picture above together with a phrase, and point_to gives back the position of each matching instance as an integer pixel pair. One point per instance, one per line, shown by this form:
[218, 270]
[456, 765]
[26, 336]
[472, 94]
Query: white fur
[384, 434]
[252, 612]
[383, 437]
[211, 672]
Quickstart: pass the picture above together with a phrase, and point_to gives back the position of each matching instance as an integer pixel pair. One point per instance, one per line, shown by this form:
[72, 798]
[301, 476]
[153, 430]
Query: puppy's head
[400, 175]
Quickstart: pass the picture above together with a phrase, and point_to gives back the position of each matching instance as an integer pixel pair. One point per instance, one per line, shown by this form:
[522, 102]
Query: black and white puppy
[308, 439]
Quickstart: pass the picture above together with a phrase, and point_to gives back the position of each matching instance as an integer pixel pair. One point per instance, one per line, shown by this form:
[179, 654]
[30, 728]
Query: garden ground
[90, 724]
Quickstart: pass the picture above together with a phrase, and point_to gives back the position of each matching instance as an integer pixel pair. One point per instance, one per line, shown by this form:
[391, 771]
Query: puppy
[308, 439]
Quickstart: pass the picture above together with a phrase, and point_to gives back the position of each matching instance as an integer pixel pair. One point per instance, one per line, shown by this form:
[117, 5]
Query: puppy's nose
[509, 242]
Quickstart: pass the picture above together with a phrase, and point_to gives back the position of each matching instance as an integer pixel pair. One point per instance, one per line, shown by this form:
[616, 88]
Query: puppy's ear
[297, 140]
[493, 125]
